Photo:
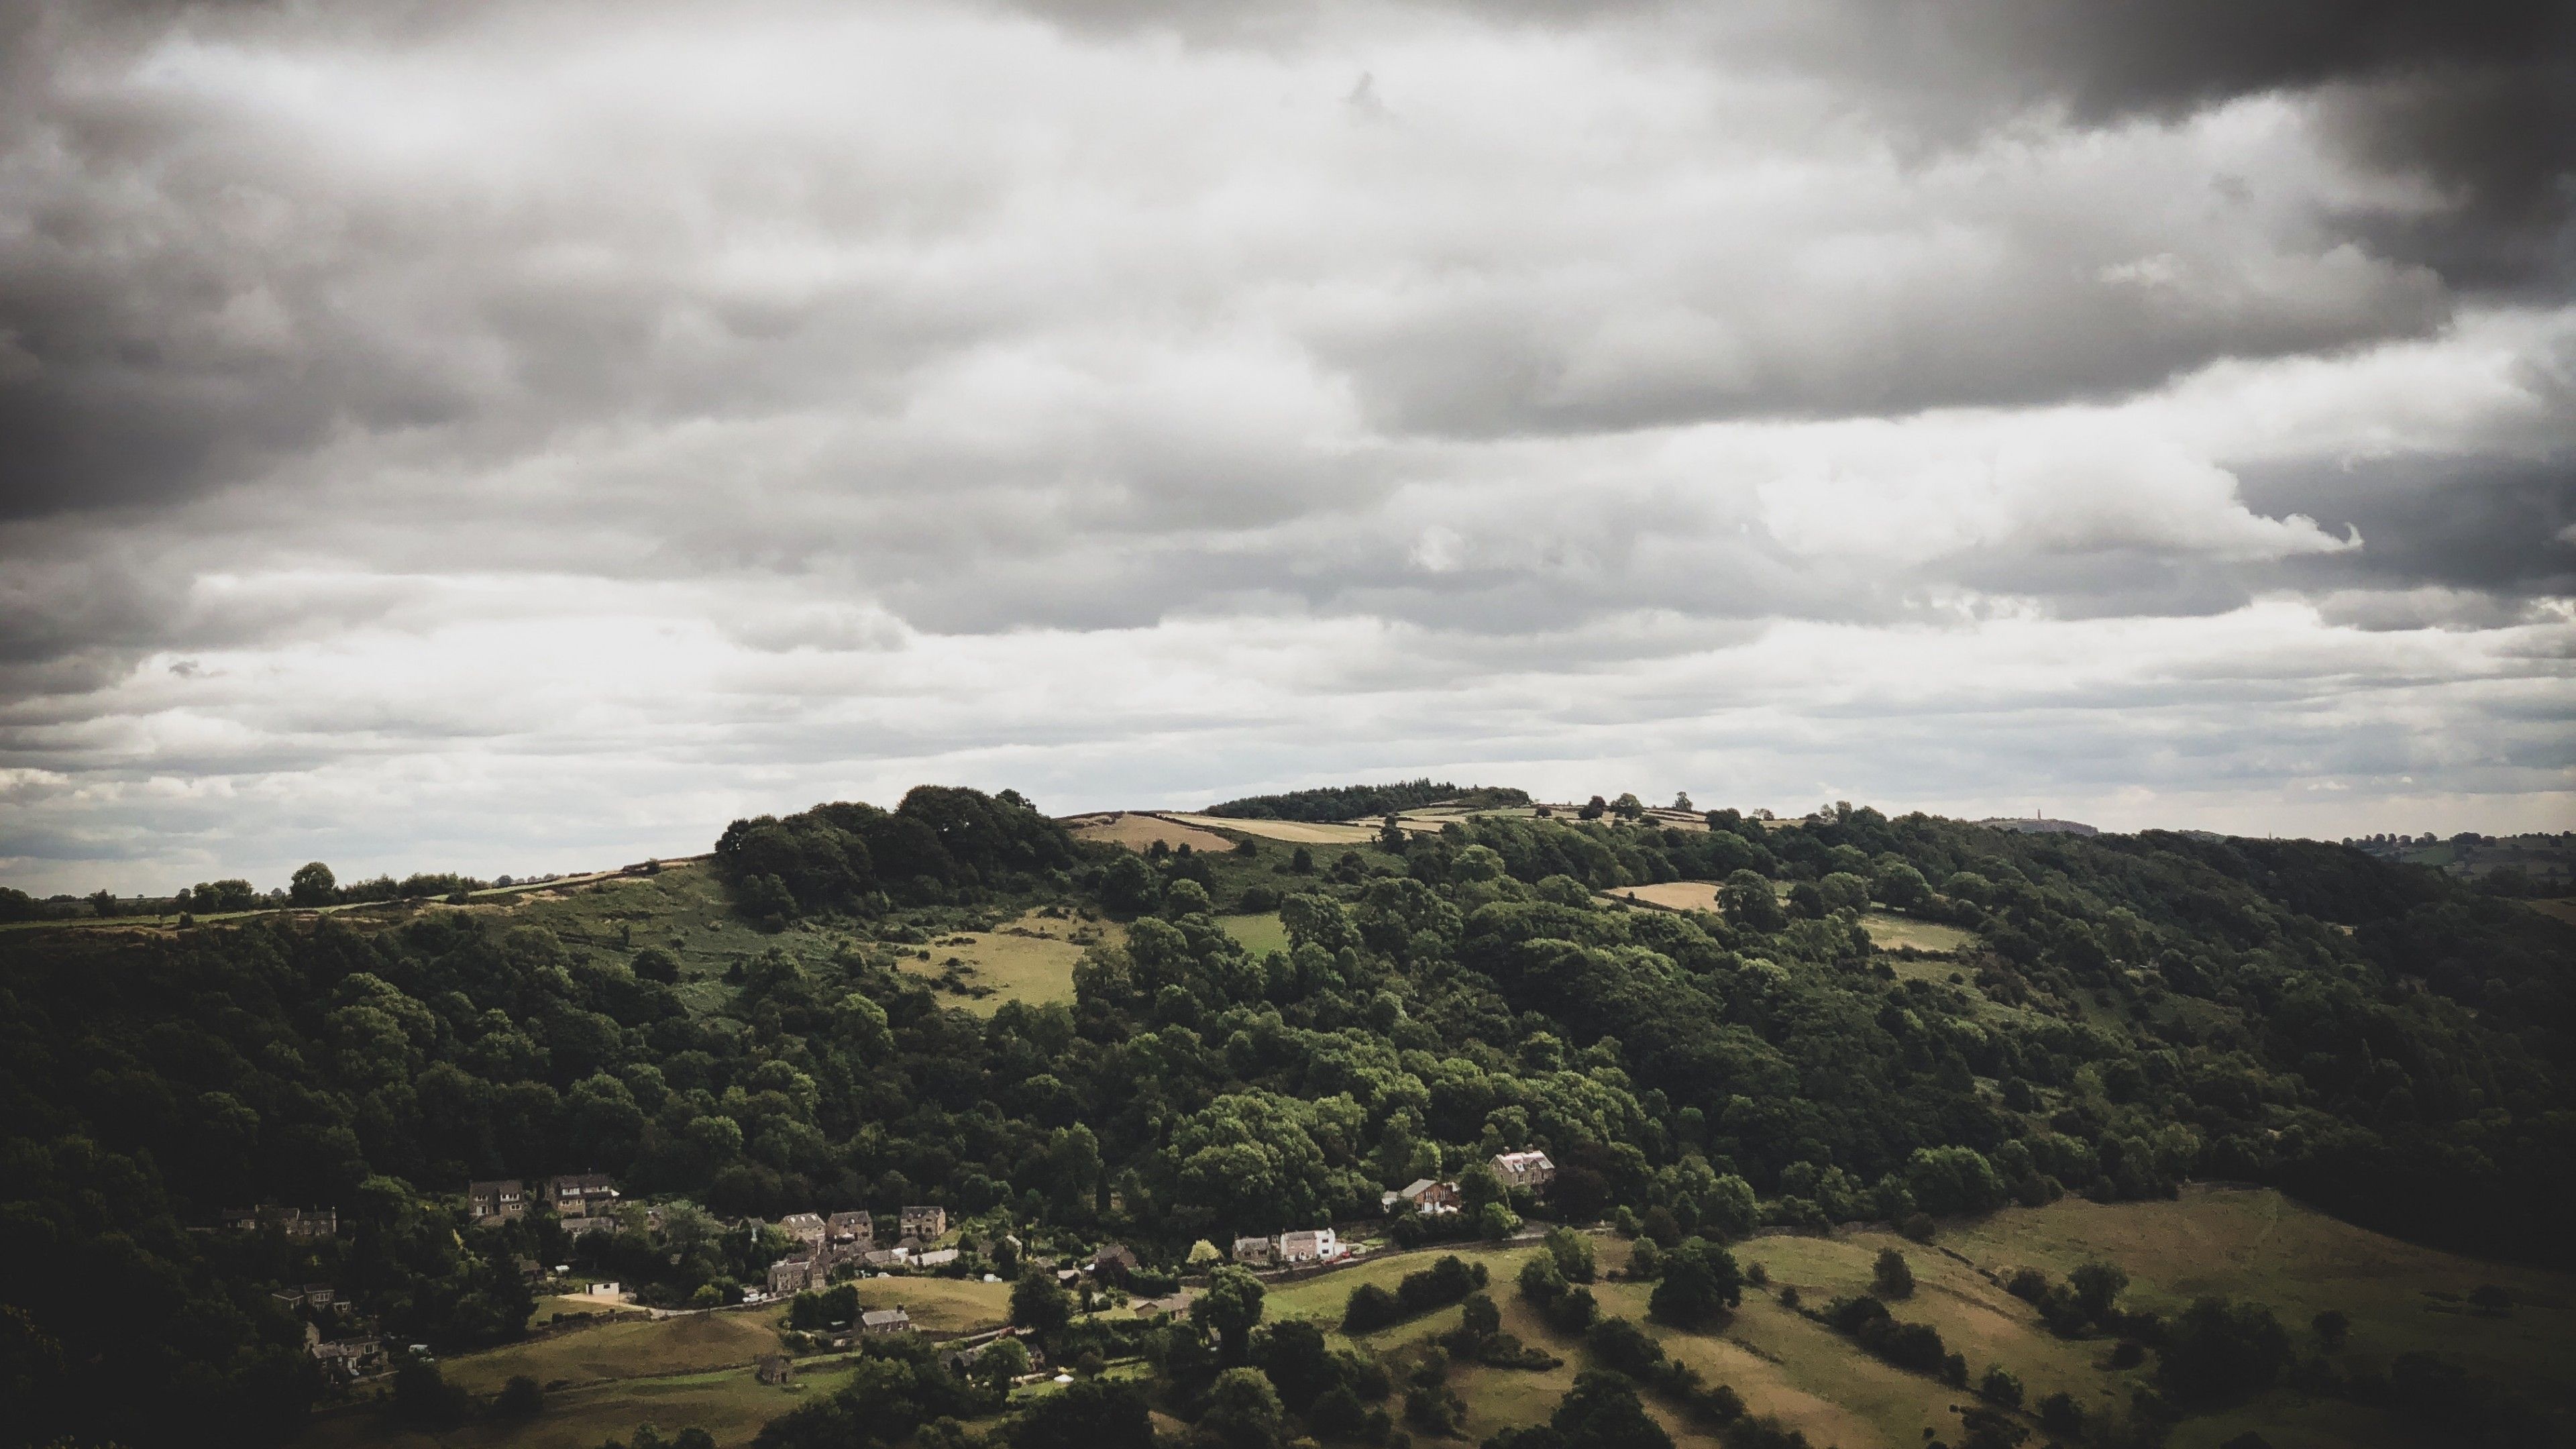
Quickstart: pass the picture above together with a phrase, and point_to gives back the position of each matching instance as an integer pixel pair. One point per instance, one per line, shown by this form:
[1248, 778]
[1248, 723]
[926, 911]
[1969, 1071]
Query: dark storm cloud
[2495, 525]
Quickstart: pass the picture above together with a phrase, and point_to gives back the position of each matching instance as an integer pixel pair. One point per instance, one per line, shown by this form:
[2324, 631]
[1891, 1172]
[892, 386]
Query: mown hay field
[1293, 832]
[1138, 832]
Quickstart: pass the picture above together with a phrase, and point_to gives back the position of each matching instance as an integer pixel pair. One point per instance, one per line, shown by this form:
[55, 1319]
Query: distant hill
[2038, 825]
[1350, 802]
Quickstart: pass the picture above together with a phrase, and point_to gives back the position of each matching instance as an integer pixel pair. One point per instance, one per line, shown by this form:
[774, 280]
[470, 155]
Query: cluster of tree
[943, 843]
[2180, 1007]
[1353, 802]
[1448, 1280]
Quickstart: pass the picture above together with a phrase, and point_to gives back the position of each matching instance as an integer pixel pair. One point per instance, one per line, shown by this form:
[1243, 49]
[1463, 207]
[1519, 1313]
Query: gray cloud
[476, 430]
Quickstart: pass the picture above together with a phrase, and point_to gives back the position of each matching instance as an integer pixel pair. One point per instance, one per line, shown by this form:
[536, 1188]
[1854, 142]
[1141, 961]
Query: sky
[521, 437]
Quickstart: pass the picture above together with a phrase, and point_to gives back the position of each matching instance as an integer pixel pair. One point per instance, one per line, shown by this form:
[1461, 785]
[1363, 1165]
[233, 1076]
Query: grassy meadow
[1030, 959]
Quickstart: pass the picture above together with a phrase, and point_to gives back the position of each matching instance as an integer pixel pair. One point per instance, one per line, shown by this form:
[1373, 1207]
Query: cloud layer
[498, 439]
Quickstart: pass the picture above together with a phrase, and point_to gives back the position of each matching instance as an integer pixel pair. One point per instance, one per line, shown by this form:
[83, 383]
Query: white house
[1261, 1251]
[1319, 1246]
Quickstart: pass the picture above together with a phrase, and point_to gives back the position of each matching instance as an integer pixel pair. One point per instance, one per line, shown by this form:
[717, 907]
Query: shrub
[2000, 1387]
[2219, 1350]
[1892, 1275]
[520, 1398]
[2059, 1414]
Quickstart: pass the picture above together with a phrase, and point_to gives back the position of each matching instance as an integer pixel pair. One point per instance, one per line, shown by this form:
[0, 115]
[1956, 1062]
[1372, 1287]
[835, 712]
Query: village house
[580, 1195]
[500, 1201]
[881, 1321]
[1113, 1262]
[295, 1223]
[806, 1228]
[1425, 1196]
[852, 1233]
[887, 1258]
[1261, 1252]
[345, 1360]
[925, 1223]
[793, 1275]
[1524, 1170]
[1318, 1246]
[774, 1368]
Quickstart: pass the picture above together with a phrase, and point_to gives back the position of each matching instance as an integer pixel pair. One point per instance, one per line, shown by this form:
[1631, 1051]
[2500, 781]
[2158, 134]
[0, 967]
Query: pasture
[1030, 959]
[1259, 934]
[941, 1306]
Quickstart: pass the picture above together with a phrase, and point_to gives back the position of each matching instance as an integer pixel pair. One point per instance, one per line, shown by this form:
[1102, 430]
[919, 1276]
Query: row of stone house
[823, 1244]
[584, 1201]
[1518, 1171]
[294, 1222]
[1317, 1245]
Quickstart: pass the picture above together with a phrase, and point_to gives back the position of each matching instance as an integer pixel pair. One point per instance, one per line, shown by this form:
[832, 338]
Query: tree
[1204, 1256]
[2060, 1415]
[1602, 1411]
[1299, 1364]
[1682, 802]
[2332, 1327]
[1243, 1411]
[1229, 1308]
[102, 903]
[1001, 1361]
[1594, 808]
[2000, 1387]
[1748, 901]
[1701, 1280]
[1572, 1252]
[1892, 1275]
[1038, 1305]
[2217, 1350]
[312, 885]
[1628, 806]
[1087, 1414]
[2098, 1286]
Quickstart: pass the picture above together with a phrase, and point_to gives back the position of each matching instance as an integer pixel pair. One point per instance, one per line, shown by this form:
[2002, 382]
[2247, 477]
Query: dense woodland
[2385, 1043]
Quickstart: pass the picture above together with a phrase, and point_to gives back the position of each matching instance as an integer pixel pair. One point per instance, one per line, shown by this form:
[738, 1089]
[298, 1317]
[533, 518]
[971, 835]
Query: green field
[627, 1349]
[1030, 959]
[941, 1305]
[2245, 1244]
[1259, 934]
[1890, 932]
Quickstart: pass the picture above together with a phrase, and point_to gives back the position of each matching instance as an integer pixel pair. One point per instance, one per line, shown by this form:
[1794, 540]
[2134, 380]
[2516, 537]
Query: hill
[1848, 1025]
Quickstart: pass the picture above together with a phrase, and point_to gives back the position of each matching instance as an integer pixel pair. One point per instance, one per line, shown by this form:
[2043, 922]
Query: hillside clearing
[1030, 959]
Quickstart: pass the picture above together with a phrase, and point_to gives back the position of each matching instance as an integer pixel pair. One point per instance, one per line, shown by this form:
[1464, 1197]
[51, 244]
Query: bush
[2000, 1387]
[1700, 1282]
[2219, 1351]
[1892, 1275]
[2059, 1414]
[520, 1398]
[2028, 1284]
